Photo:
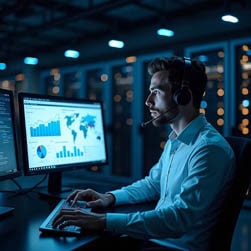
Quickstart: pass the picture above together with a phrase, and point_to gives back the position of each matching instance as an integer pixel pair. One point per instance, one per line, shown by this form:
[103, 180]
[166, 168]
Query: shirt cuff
[116, 222]
[121, 196]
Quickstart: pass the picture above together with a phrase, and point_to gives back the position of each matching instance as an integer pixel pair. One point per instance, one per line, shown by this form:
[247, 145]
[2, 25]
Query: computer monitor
[9, 164]
[60, 134]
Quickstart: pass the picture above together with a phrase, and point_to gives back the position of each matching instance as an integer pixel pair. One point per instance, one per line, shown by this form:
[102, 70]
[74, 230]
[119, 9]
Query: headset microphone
[144, 124]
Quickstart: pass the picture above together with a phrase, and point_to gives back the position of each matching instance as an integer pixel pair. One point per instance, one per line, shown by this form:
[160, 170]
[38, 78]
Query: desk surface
[20, 230]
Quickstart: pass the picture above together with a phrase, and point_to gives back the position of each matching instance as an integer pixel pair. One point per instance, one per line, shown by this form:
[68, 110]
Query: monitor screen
[9, 165]
[59, 134]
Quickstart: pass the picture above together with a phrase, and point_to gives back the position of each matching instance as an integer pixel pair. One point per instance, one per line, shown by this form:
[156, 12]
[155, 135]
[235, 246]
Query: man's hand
[93, 198]
[80, 217]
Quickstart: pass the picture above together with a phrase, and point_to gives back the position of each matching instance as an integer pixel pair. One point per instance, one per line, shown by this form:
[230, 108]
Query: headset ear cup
[182, 96]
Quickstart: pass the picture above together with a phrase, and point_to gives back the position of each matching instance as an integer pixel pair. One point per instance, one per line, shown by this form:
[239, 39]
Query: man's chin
[163, 121]
[159, 123]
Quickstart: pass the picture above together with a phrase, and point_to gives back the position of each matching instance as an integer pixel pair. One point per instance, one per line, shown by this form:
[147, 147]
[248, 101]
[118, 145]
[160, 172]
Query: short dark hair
[179, 71]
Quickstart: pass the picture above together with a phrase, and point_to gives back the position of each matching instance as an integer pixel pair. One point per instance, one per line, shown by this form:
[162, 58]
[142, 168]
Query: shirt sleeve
[200, 190]
[144, 190]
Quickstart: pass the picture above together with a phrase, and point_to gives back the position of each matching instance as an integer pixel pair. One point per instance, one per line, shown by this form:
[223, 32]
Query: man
[189, 182]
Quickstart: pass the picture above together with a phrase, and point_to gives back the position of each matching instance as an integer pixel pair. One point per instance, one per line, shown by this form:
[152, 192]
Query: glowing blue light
[31, 61]
[203, 58]
[230, 18]
[2, 66]
[116, 44]
[203, 104]
[245, 103]
[71, 54]
[165, 32]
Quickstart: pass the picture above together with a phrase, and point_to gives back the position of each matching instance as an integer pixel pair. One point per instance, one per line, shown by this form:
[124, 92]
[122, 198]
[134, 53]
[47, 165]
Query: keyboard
[47, 227]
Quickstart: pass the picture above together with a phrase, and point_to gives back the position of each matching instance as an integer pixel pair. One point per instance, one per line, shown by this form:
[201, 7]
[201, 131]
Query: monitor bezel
[17, 172]
[60, 168]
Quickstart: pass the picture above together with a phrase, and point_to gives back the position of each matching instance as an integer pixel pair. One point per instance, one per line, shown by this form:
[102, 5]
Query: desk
[20, 230]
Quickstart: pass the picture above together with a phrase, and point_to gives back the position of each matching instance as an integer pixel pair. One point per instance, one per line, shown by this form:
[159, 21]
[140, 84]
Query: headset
[182, 96]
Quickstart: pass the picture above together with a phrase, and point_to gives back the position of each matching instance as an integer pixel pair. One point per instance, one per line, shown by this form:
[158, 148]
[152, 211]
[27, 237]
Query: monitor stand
[54, 188]
[4, 211]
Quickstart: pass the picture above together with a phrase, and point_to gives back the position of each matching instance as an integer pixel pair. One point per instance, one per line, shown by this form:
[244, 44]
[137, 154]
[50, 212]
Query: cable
[22, 190]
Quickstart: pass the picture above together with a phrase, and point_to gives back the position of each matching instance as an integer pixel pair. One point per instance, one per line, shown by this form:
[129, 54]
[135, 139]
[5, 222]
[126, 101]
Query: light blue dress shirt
[188, 182]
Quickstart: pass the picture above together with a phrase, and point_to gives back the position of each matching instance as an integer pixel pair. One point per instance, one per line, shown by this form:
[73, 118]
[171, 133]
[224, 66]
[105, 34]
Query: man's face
[160, 99]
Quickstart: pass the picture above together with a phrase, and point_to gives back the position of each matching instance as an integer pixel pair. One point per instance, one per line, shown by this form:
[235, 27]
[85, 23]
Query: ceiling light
[229, 9]
[230, 18]
[31, 61]
[2, 66]
[116, 43]
[165, 32]
[71, 53]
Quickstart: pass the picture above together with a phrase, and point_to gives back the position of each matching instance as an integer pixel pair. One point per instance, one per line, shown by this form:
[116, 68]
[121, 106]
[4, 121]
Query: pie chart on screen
[41, 151]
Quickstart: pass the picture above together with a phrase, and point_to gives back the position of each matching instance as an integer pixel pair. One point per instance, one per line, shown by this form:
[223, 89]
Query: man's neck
[182, 121]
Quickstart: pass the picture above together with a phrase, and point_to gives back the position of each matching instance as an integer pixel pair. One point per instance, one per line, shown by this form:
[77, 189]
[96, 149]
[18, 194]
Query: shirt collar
[191, 130]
